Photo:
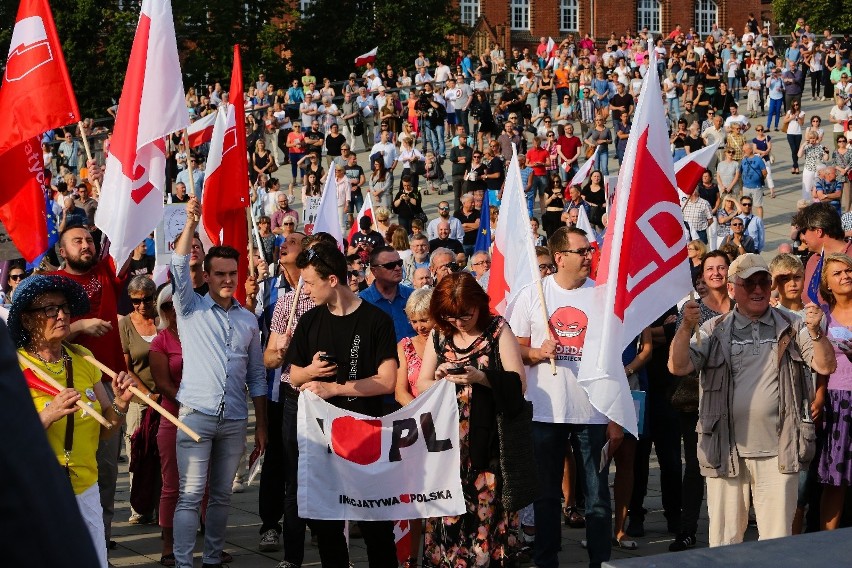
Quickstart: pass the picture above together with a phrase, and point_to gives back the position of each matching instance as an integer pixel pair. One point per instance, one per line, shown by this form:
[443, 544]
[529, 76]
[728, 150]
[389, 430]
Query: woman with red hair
[477, 351]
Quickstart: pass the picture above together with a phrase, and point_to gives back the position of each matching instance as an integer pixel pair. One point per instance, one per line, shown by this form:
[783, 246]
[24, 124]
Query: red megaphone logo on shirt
[29, 49]
[359, 441]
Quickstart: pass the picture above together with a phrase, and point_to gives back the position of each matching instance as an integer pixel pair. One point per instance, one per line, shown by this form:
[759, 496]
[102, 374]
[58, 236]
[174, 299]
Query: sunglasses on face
[750, 285]
[145, 300]
[16, 277]
[390, 265]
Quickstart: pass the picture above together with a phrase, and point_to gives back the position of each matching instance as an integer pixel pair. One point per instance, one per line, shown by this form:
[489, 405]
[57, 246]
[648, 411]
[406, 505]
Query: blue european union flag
[813, 285]
[483, 238]
[52, 232]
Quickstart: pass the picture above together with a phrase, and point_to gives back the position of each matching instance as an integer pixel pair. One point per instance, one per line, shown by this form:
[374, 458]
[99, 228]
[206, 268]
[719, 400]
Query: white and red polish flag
[365, 211]
[151, 107]
[226, 181]
[369, 57]
[689, 169]
[643, 269]
[514, 264]
[584, 171]
[327, 219]
[201, 130]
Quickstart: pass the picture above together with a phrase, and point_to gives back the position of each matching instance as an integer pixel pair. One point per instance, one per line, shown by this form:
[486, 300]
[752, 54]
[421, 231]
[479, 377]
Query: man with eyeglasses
[820, 229]
[419, 257]
[343, 351]
[480, 264]
[755, 419]
[561, 406]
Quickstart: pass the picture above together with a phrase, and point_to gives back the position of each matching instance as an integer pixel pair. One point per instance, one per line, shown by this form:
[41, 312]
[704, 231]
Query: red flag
[201, 130]
[226, 181]
[643, 269]
[151, 107]
[402, 537]
[36, 95]
[689, 169]
[514, 264]
[368, 57]
[365, 211]
[36, 383]
[24, 213]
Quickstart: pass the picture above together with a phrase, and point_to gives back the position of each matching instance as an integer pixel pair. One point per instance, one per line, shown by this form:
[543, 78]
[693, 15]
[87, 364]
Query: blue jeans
[530, 195]
[214, 461]
[674, 110]
[549, 442]
[602, 160]
[435, 135]
[774, 110]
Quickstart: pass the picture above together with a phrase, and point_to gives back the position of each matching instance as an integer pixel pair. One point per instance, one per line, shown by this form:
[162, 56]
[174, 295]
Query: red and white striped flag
[226, 182]
[514, 264]
[151, 107]
[201, 130]
[365, 211]
[689, 169]
[368, 57]
[643, 269]
[327, 219]
[585, 170]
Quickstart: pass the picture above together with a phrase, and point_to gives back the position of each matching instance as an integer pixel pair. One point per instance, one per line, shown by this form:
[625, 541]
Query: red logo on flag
[359, 441]
[655, 237]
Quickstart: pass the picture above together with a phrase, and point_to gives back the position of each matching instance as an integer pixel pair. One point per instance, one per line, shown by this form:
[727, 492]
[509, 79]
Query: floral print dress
[486, 535]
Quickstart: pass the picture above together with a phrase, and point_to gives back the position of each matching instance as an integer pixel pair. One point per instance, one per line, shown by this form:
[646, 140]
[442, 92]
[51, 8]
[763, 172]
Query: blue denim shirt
[221, 351]
[395, 309]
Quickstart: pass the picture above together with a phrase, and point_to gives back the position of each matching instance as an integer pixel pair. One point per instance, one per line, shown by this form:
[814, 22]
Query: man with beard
[97, 331]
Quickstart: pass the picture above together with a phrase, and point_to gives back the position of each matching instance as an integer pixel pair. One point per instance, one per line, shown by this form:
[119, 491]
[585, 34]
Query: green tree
[819, 14]
[333, 32]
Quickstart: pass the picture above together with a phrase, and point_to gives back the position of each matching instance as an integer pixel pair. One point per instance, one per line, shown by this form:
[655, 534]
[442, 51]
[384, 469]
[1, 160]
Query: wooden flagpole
[154, 404]
[55, 384]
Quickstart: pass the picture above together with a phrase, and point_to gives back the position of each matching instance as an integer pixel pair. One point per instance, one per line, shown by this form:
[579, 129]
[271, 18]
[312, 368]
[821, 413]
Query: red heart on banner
[405, 498]
[358, 441]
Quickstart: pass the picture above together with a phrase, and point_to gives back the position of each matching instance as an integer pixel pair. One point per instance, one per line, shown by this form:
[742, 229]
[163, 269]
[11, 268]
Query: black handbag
[418, 167]
[517, 459]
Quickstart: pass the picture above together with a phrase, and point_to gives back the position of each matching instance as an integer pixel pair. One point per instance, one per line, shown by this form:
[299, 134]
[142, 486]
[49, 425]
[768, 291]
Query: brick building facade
[521, 23]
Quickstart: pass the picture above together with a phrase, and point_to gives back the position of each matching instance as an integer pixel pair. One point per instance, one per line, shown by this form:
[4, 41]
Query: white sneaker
[237, 486]
[270, 541]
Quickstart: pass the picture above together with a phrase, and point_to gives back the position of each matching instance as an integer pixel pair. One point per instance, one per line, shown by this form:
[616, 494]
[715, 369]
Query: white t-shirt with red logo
[556, 398]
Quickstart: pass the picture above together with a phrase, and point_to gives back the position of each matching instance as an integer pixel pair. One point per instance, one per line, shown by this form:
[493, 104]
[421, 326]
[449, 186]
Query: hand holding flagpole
[49, 380]
[149, 401]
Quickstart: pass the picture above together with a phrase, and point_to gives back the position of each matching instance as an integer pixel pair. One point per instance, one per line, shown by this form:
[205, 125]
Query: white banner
[401, 466]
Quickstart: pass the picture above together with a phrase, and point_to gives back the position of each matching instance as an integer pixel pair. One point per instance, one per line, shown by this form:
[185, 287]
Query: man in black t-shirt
[469, 218]
[314, 139]
[344, 351]
[621, 104]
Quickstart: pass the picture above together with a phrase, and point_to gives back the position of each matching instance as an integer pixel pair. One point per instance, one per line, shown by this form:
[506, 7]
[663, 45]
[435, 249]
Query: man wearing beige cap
[755, 412]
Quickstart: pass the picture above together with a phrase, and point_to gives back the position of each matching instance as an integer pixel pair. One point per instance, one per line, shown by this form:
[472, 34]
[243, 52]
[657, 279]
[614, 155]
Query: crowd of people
[747, 386]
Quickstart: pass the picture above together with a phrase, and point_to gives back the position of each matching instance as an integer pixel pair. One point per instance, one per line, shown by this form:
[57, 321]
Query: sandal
[625, 544]
[167, 560]
[573, 518]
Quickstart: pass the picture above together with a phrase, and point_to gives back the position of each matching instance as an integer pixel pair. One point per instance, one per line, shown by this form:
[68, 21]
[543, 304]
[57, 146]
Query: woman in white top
[408, 155]
[815, 65]
[794, 119]
[732, 66]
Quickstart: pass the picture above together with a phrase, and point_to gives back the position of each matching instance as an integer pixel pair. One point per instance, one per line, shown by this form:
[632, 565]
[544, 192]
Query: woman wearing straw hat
[39, 321]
